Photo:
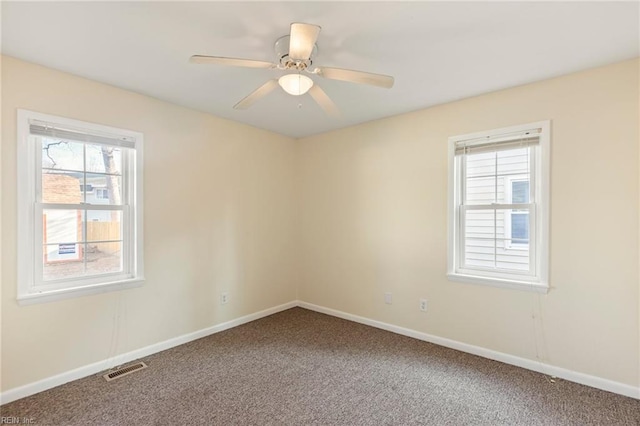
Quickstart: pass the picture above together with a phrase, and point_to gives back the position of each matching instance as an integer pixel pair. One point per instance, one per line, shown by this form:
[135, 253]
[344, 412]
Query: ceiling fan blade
[379, 80]
[302, 40]
[260, 92]
[324, 101]
[233, 62]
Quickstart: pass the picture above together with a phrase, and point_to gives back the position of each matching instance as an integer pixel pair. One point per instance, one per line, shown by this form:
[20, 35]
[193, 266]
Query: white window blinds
[498, 143]
[498, 205]
[51, 130]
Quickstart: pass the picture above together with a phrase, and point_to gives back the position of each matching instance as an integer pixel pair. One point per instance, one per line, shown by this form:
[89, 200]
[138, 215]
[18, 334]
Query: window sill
[500, 283]
[68, 293]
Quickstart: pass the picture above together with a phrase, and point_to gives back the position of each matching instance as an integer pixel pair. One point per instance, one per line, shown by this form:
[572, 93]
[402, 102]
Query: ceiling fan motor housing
[285, 62]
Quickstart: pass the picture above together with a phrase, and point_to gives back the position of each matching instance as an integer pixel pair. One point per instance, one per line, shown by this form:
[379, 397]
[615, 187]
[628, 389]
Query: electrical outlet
[388, 298]
[423, 305]
[224, 298]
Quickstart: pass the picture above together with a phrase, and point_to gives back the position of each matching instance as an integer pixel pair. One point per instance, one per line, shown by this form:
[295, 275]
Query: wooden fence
[104, 231]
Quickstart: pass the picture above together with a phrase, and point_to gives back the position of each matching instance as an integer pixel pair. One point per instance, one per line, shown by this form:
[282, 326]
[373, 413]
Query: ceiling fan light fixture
[295, 84]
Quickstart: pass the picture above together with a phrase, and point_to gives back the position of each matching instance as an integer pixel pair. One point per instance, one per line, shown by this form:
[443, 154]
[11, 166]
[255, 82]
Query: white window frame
[538, 279]
[31, 288]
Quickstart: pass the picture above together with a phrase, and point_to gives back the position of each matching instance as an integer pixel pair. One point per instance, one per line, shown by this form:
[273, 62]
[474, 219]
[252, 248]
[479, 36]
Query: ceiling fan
[295, 53]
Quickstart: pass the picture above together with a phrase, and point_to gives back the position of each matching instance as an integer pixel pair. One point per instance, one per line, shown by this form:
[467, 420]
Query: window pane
[520, 191]
[61, 187]
[482, 190]
[515, 258]
[104, 159]
[513, 161]
[482, 164]
[61, 154]
[481, 224]
[66, 255]
[498, 254]
[480, 233]
[103, 258]
[103, 189]
[520, 227]
[488, 174]
[104, 225]
[62, 261]
[479, 252]
[62, 252]
[62, 226]
[486, 244]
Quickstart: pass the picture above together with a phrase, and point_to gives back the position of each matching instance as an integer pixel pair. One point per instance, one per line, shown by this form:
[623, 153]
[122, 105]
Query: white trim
[67, 293]
[500, 283]
[136, 183]
[452, 201]
[30, 287]
[547, 369]
[542, 230]
[97, 367]
[539, 231]
[26, 187]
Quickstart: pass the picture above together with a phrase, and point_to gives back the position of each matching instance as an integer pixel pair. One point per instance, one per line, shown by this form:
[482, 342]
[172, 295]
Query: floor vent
[123, 371]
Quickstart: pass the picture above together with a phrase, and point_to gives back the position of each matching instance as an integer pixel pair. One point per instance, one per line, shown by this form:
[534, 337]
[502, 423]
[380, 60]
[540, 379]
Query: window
[517, 220]
[80, 208]
[102, 194]
[498, 207]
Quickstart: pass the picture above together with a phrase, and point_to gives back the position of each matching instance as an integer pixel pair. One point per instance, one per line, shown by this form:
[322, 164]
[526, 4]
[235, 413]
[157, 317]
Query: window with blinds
[498, 206]
[81, 191]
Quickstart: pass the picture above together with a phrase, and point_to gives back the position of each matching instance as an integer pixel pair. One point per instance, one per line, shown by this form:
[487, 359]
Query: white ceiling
[437, 51]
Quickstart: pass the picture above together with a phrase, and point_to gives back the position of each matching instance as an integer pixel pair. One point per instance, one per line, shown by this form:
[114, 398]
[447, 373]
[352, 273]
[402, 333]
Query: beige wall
[373, 212]
[229, 207]
[219, 203]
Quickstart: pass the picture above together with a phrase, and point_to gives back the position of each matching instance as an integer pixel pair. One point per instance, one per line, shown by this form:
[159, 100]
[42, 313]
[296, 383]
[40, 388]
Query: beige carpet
[299, 367]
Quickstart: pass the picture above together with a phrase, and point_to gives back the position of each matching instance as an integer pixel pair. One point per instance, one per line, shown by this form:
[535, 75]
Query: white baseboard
[97, 367]
[547, 369]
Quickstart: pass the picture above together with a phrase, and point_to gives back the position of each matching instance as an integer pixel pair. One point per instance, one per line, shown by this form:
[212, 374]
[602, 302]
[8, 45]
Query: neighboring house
[62, 229]
[501, 178]
[96, 193]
